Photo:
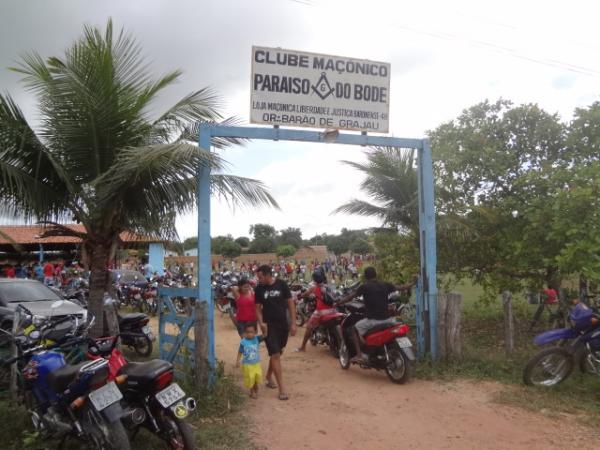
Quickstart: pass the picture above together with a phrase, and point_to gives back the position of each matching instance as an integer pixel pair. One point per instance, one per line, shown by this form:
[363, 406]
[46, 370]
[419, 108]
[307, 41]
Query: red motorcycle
[386, 345]
[326, 333]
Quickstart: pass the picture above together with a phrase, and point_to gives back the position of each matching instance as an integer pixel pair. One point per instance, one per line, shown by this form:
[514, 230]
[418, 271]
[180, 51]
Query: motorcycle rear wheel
[176, 433]
[556, 365]
[142, 346]
[104, 435]
[399, 368]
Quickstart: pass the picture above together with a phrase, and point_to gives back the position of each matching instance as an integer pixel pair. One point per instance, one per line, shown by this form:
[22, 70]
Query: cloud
[445, 56]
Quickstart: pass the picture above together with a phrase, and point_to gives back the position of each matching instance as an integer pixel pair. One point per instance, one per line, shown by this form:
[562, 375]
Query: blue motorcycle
[68, 400]
[575, 345]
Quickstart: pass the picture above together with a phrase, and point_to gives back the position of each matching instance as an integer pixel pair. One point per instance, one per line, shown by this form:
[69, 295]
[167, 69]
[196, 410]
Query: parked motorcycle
[387, 346]
[150, 396]
[68, 400]
[305, 306]
[577, 345]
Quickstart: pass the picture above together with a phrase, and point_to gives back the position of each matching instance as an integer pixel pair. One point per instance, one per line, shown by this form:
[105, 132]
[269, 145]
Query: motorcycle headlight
[38, 320]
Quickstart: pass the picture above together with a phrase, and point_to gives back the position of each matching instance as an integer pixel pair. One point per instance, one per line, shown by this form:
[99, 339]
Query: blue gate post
[421, 350]
[204, 253]
[156, 257]
[428, 243]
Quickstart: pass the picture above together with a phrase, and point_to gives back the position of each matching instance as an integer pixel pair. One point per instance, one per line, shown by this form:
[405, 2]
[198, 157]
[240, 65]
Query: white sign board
[300, 89]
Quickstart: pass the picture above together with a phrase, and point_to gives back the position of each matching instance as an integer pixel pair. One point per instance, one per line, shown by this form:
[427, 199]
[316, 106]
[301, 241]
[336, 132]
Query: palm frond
[241, 191]
[361, 208]
[191, 132]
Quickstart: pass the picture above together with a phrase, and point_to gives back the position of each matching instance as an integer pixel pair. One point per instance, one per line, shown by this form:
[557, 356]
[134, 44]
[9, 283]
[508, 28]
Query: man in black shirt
[273, 301]
[376, 298]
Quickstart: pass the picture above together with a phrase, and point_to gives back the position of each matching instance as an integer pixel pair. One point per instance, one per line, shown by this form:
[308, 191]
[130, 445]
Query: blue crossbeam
[178, 292]
[285, 134]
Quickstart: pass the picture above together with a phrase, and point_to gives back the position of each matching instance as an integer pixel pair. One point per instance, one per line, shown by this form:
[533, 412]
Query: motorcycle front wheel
[399, 367]
[175, 432]
[344, 356]
[548, 368]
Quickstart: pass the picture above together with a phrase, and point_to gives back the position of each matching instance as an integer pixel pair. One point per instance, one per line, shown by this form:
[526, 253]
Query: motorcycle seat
[381, 327]
[133, 317]
[143, 374]
[59, 379]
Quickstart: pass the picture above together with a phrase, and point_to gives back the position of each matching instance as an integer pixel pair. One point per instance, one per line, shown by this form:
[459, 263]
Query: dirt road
[360, 409]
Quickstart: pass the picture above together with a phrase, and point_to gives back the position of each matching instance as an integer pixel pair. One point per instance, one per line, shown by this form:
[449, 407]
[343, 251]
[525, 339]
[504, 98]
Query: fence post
[509, 328]
[202, 368]
[449, 325]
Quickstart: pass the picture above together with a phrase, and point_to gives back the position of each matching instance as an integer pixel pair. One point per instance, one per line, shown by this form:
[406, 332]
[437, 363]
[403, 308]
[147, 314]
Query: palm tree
[391, 181]
[101, 156]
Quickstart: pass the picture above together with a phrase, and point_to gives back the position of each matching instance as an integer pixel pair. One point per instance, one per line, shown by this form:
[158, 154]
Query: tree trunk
[449, 309]
[99, 257]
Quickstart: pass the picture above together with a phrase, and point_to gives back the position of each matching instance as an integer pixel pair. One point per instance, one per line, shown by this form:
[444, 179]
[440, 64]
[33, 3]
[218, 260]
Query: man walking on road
[273, 301]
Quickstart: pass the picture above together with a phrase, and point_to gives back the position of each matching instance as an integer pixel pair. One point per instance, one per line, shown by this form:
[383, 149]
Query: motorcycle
[305, 306]
[386, 345]
[134, 330]
[577, 345]
[150, 396]
[68, 400]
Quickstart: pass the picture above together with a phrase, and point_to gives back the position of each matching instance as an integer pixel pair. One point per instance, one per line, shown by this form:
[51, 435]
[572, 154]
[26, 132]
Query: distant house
[191, 252]
[23, 242]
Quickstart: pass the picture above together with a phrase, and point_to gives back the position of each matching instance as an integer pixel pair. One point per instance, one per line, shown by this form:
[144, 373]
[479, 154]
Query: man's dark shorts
[277, 337]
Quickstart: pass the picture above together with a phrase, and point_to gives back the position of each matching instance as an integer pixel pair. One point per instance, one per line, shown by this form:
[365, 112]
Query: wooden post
[201, 344]
[449, 315]
[453, 321]
[441, 323]
[509, 329]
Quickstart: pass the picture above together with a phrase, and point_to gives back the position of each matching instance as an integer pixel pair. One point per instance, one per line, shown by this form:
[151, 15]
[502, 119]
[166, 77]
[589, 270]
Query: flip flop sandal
[271, 385]
[283, 397]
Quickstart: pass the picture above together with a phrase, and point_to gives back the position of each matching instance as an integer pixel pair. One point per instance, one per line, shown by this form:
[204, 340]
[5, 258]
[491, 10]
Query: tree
[230, 249]
[101, 156]
[243, 242]
[218, 242]
[391, 182]
[360, 247]
[290, 236]
[264, 238]
[524, 185]
[338, 245]
[191, 242]
[286, 250]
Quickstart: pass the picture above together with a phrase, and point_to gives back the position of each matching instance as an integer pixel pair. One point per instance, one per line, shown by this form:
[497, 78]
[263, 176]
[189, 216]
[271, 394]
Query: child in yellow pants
[251, 359]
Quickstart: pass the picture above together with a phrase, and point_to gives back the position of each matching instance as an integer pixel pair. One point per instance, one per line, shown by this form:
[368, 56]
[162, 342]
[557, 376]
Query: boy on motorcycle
[376, 298]
[321, 310]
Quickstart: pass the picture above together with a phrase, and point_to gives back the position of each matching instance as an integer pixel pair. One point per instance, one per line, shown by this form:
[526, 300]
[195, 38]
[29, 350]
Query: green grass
[484, 358]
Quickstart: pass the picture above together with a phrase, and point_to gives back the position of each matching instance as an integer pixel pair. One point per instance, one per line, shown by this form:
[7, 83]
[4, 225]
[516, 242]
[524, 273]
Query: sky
[444, 56]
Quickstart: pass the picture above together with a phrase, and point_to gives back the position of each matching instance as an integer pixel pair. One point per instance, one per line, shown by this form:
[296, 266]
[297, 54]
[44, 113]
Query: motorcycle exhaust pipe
[134, 416]
[190, 403]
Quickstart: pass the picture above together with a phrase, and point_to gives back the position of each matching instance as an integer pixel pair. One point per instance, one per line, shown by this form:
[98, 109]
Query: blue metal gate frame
[427, 290]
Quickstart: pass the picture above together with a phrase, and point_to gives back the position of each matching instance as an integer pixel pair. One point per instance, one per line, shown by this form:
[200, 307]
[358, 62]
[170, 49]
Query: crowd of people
[336, 269]
[56, 273]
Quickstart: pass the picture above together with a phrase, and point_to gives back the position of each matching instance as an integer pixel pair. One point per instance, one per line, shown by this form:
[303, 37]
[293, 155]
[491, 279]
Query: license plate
[148, 332]
[170, 395]
[403, 342]
[105, 396]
